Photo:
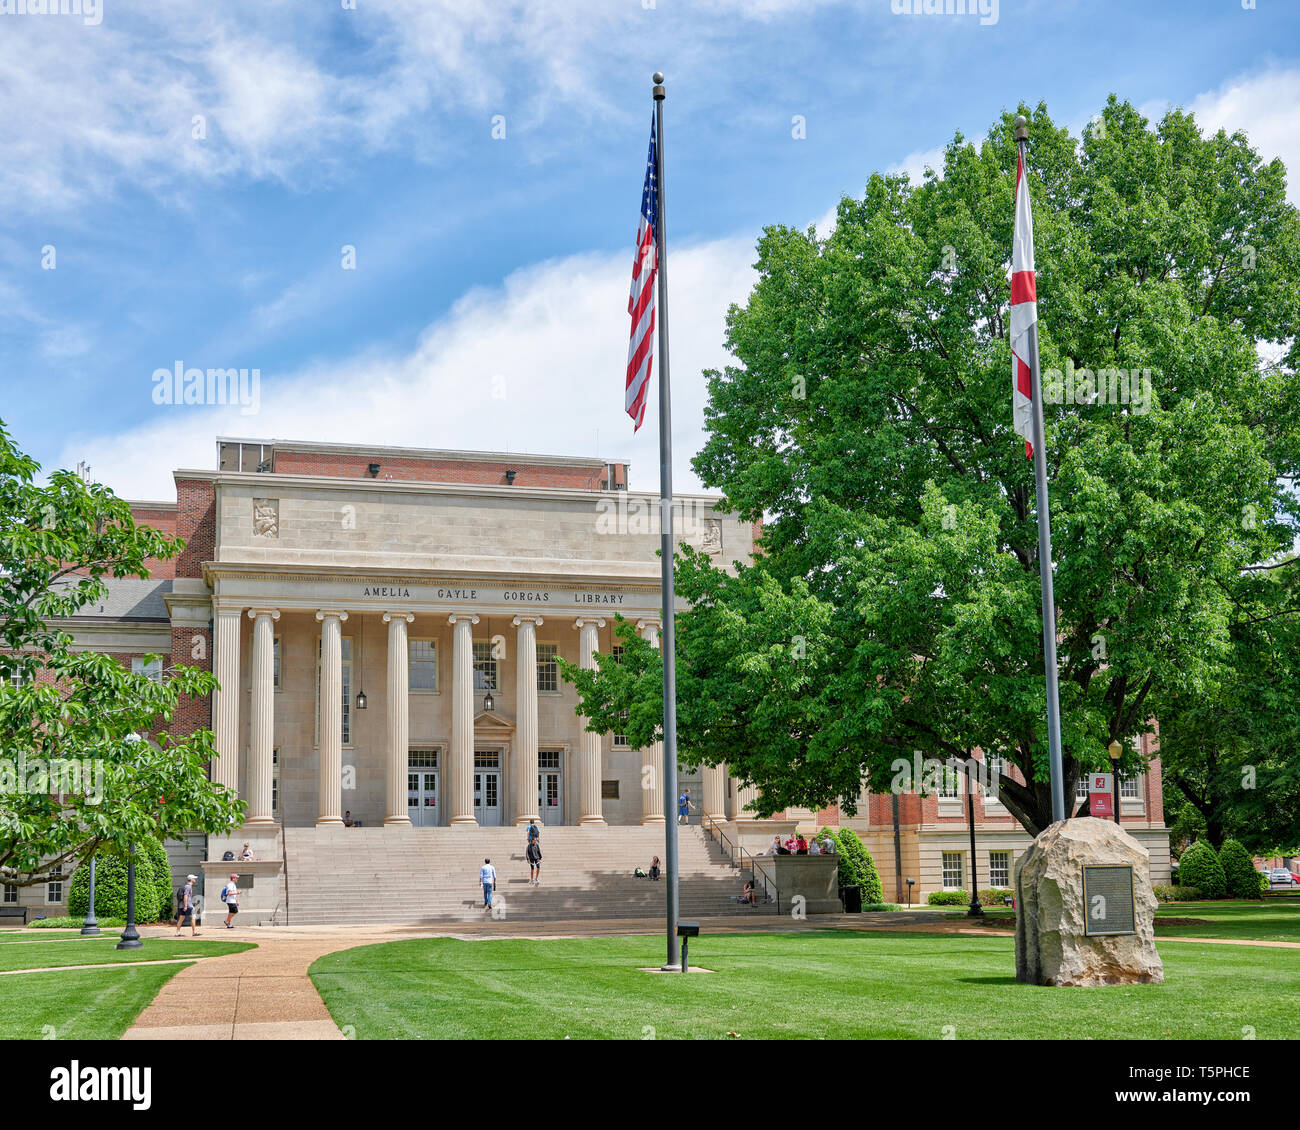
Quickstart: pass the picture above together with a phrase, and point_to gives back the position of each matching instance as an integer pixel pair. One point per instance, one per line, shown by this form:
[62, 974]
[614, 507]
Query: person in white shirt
[487, 875]
[230, 896]
[247, 854]
[814, 848]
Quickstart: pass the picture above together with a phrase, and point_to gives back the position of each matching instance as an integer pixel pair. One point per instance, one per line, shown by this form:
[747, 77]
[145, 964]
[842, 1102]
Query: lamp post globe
[1116, 751]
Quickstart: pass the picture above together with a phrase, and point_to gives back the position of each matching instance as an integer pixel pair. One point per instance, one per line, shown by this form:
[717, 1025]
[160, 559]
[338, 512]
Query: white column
[225, 699]
[261, 718]
[715, 792]
[744, 794]
[589, 745]
[525, 748]
[652, 757]
[397, 681]
[329, 794]
[461, 761]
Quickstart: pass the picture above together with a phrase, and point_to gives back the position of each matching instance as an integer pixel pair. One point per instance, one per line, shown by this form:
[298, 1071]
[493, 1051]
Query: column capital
[649, 624]
[536, 621]
[254, 613]
[228, 610]
[461, 616]
[331, 614]
[389, 617]
[583, 621]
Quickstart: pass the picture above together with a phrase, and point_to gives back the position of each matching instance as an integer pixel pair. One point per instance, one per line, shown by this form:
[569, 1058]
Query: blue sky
[487, 309]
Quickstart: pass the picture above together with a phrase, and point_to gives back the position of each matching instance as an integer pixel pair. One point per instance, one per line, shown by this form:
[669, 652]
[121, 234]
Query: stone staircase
[412, 875]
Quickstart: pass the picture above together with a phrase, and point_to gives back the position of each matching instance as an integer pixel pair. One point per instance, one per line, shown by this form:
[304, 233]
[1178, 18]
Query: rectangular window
[999, 869]
[151, 670]
[275, 779]
[548, 671]
[487, 759]
[949, 782]
[485, 667]
[1130, 788]
[620, 740]
[548, 759]
[54, 891]
[10, 893]
[347, 690]
[952, 870]
[1081, 789]
[422, 759]
[275, 663]
[422, 665]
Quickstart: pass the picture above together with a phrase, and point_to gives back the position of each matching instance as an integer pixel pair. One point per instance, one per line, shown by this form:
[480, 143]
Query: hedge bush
[1181, 893]
[1239, 874]
[110, 885]
[1200, 867]
[856, 867]
[65, 922]
[993, 896]
[949, 898]
[881, 906]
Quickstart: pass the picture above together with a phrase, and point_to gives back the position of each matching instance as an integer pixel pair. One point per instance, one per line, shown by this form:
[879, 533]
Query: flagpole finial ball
[1022, 128]
[657, 78]
[1021, 121]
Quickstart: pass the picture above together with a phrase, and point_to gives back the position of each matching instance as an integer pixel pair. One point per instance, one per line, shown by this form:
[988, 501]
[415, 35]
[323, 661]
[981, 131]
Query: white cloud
[915, 164]
[550, 343]
[1266, 107]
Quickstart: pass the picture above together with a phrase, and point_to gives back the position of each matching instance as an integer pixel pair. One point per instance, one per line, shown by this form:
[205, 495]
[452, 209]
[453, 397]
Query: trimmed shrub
[1264, 887]
[993, 896]
[161, 867]
[65, 922]
[1200, 867]
[1175, 894]
[110, 887]
[856, 867]
[1239, 874]
[881, 906]
[949, 898]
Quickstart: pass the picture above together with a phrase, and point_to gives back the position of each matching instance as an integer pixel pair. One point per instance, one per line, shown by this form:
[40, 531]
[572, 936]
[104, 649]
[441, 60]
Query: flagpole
[666, 538]
[1056, 773]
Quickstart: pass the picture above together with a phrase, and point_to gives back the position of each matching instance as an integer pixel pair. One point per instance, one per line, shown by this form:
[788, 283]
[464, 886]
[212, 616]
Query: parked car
[1281, 877]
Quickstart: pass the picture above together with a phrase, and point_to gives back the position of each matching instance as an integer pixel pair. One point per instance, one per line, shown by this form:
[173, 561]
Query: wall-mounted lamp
[373, 468]
[489, 703]
[510, 478]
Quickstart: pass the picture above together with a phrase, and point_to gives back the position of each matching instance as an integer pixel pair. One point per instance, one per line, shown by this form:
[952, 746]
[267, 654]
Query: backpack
[180, 898]
[227, 857]
[641, 873]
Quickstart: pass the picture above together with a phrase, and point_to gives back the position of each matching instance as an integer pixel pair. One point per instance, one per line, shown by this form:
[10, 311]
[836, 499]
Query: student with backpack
[230, 896]
[185, 906]
[533, 853]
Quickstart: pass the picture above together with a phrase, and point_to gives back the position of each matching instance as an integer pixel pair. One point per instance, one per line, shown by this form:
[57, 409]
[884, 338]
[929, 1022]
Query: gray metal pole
[666, 539]
[1057, 775]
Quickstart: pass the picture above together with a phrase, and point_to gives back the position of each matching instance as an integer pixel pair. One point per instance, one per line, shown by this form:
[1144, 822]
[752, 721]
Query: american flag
[1024, 312]
[641, 298]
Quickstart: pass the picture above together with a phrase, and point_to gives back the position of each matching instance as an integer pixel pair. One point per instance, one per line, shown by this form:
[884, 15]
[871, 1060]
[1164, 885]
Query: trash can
[853, 900]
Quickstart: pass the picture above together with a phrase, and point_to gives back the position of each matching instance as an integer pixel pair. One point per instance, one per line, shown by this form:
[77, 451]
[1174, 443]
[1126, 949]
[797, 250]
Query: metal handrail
[742, 859]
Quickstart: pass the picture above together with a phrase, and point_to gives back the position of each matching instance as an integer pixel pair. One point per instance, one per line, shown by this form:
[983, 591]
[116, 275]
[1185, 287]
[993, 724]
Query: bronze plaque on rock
[1109, 906]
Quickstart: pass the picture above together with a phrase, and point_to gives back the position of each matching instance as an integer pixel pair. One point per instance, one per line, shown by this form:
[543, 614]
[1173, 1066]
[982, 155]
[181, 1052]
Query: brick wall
[575, 477]
[196, 522]
[163, 520]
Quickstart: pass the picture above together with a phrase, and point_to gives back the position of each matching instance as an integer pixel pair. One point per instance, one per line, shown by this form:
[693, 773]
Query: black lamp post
[1116, 751]
[91, 925]
[975, 911]
[130, 936]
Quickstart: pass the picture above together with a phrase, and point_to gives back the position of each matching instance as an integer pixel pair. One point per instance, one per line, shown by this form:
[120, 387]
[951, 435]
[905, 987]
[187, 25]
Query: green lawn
[1270, 920]
[78, 1004]
[95, 951]
[845, 984]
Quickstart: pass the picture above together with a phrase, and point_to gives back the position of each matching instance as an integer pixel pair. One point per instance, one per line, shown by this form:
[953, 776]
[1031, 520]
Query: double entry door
[487, 787]
[422, 788]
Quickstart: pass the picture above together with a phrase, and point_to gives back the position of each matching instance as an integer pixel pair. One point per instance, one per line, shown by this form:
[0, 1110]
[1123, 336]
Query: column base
[261, 822]
[659, 821]
[463, 822]
[592, 822]
[522, 821]
[397, 822]
[330, 822]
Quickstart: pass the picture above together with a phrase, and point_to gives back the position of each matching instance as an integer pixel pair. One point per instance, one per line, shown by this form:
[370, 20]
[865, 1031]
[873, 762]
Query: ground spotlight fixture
[373, 468]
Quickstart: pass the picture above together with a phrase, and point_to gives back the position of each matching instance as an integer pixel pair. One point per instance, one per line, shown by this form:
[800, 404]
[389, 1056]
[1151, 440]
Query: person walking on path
[185, 907]
[230, 896]
[487, 875]
[684, 807]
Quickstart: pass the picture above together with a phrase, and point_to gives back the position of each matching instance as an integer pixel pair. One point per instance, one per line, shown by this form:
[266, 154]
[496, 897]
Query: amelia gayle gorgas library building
[384, 624]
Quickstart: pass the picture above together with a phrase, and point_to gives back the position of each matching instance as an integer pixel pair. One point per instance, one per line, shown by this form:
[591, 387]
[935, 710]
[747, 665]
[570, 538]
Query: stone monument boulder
[1108, 940]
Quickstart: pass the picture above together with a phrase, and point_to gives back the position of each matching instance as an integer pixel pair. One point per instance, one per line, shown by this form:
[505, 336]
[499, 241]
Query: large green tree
[84, 719]
[867, 421]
